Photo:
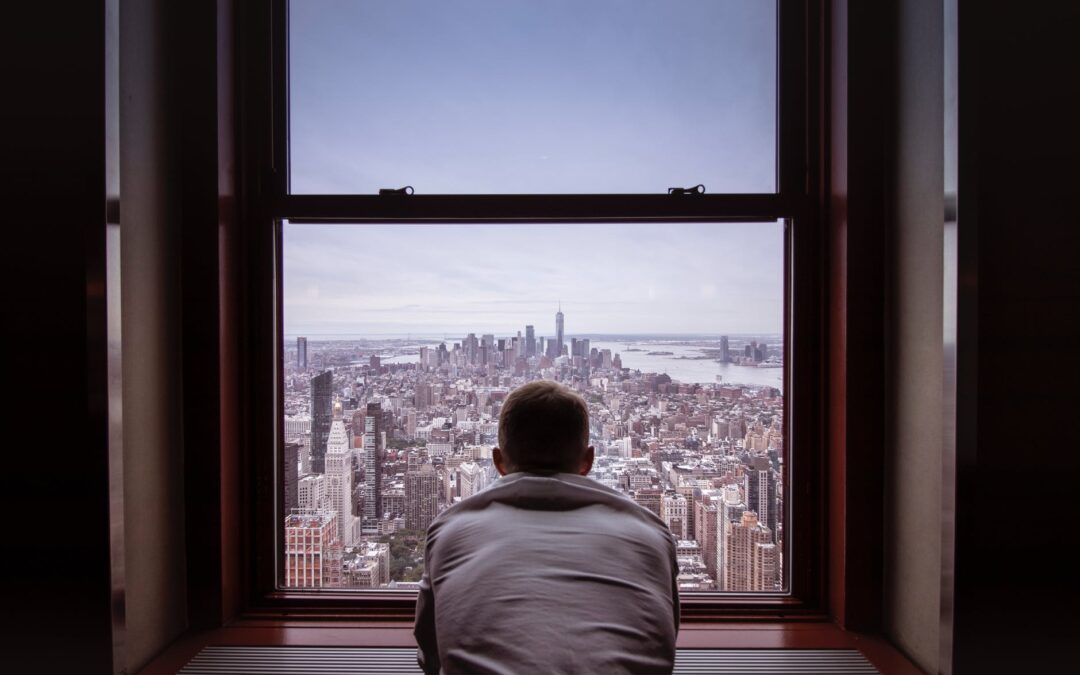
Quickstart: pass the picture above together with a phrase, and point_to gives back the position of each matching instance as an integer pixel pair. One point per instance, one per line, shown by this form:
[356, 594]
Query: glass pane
[521, 96]
[401, 342]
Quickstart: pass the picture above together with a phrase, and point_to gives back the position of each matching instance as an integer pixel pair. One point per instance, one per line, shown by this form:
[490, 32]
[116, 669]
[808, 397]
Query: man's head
[543, 426]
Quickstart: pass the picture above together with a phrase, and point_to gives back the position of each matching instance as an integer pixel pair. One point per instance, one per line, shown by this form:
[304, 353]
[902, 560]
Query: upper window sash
[788, 148]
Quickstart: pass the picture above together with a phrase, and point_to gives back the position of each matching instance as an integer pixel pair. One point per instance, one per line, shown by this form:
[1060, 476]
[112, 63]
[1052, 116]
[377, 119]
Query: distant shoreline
[630, 338]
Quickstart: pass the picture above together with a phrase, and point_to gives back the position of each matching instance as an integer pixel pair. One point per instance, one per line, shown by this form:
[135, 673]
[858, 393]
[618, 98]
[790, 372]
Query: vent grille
[221, 660]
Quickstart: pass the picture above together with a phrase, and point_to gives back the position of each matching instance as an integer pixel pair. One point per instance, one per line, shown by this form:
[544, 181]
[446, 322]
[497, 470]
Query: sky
[528, 96]
[674, 278]
[532, 96]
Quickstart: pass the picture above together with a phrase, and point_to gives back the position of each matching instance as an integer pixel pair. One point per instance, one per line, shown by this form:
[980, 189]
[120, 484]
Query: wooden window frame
[249, 574]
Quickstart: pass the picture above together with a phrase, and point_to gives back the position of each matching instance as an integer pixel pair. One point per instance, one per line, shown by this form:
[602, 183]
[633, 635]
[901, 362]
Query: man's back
[549, 574]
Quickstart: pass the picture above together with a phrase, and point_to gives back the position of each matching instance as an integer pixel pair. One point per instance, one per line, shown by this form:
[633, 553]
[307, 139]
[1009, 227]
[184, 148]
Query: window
[687, 320]
[525, 97]
[403, 340]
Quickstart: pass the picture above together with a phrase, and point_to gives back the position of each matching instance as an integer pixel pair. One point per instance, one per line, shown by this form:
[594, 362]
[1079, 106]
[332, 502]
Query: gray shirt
[548, 574]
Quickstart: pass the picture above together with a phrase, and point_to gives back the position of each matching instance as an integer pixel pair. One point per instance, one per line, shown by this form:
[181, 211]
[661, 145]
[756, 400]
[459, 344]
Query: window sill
[269, 632]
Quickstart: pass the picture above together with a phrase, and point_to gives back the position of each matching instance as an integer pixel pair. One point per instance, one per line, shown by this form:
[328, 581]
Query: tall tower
[559, 331]
[339, 482]
[321, 415]
[725, 349]
[761, 492]
[729, 510]
[373, 461]
[472, 347]
[301, 353]
[421, 497]
[705, 519]
[289, 470]
[530, 341]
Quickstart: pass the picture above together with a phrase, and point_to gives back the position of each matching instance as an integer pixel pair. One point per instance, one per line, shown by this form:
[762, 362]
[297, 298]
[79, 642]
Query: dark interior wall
[153, 481]
[88, 115]
[913, 465]
[1018, 337]
[57, 599]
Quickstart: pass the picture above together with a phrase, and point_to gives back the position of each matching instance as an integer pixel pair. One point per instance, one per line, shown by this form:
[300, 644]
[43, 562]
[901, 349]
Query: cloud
[647, 278]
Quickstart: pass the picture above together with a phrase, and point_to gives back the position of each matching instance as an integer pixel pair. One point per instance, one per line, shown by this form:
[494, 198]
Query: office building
[290, 466]
[373, 462]
[310, 492]
[761, 492]
[339, 483]
[421, 497]
[321, 416]
[673, 511]
[743, 556]
[312, 550]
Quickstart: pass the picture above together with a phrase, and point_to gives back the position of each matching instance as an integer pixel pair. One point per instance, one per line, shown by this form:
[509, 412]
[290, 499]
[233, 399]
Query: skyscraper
[421, 497]
[472, 347]
[705, 519]
[749, 557]
[289, 468]
[530, 341]
[373, 461]
[729, 510]
[321, 416]
[301, 352]
[339, 484]
[761, 492]
[764, 567]
[725, 353]
[559, 331]
[422, 396]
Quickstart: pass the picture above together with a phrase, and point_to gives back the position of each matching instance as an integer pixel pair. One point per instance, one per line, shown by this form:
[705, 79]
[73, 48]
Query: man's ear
[586, 461]
[500, 461]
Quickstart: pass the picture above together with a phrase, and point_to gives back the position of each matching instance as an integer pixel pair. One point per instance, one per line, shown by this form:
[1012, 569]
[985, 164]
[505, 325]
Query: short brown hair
[543, 426]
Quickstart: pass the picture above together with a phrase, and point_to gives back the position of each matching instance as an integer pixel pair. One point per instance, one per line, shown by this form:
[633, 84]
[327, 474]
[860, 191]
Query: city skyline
[411, 439]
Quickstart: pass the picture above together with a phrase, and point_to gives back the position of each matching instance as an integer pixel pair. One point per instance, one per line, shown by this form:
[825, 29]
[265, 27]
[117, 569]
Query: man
[547, 571]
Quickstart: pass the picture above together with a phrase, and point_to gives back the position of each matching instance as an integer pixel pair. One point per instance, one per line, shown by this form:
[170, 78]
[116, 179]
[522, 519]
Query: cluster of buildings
[377, 450]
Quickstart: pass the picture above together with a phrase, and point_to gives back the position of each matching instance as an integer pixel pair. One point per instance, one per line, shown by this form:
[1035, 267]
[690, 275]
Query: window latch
[698, 189]
[407, 190]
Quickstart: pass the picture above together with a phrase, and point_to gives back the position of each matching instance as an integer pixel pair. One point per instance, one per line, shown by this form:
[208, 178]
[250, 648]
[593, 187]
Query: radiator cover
[221, 659]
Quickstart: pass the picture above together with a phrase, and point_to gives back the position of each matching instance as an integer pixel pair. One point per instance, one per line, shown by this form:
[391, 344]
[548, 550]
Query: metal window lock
[698, 189]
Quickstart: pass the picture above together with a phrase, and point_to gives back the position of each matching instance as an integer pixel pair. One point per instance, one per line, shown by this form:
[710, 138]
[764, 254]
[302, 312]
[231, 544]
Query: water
[690, 370]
